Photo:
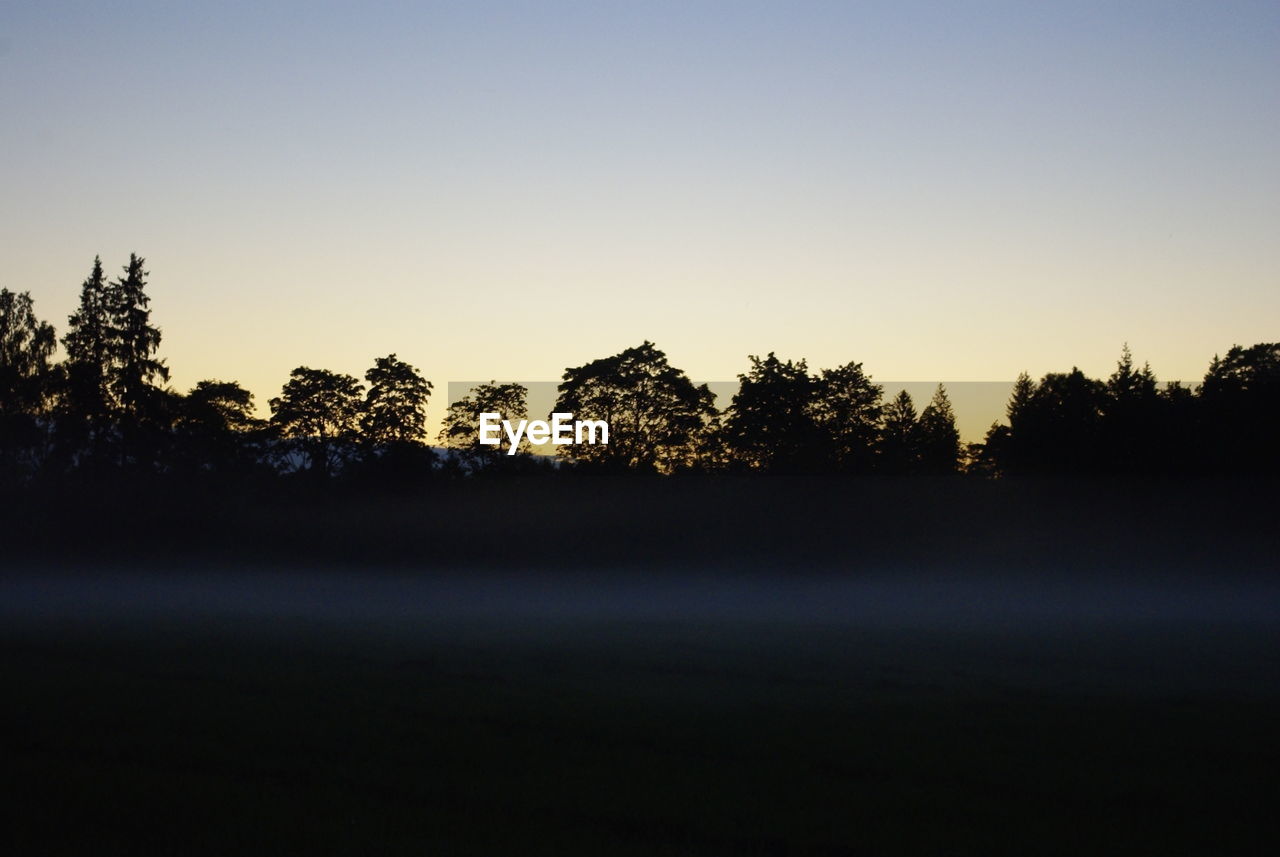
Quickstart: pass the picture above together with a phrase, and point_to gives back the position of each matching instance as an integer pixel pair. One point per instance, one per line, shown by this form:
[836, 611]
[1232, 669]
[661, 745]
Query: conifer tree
[88, 402]
[938, 439]
[134, 342]
[898, 447]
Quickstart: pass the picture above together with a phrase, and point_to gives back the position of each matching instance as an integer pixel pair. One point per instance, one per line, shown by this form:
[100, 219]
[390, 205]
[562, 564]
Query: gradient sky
[942, 191]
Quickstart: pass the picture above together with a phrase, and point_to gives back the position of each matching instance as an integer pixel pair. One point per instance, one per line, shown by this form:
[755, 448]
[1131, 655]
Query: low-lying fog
[1095, 632]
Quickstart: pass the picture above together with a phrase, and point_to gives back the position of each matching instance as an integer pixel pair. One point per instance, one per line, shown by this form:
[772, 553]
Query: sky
[941, 191]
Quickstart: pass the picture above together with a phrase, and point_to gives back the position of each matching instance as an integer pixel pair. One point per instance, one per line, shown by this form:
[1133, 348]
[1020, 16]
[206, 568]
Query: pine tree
[898, 443]
[111, 396]
[937, 436]
[134, 343]
[1128, 385]
[1132, 436]
[88, 403]
[1024, 390]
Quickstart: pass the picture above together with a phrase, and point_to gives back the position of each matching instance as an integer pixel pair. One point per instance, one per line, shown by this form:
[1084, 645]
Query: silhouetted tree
[220, 406]
[26, 348]
[993, 457]
[658, 419]
[111, 402]
[144, 409]
[134, 341]
[1020, 399]
[394, 424]
[395, 410]
[980, 458]
[1240, 409]
[1131, 426]
[770, 426]
[319, 411]
[1056, 430]
[217, 430]
[898, 445]
[26, 380]
[1008, 447]
[847, 412]
[88, 402]
[1128, 385]
[937, 438]
[461, 429]
[1054, 426]
[785, 420]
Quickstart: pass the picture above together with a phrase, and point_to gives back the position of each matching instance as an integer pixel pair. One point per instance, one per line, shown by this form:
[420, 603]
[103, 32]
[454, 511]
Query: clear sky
[942, 191]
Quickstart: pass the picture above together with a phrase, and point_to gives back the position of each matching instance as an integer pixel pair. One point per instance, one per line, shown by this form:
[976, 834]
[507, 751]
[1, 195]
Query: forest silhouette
[106, 409]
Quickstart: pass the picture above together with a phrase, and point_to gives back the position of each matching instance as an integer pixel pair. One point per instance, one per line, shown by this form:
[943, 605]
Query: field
[1105, 704]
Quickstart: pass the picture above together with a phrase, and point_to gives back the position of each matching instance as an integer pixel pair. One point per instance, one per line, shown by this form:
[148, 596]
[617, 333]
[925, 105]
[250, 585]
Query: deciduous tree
[319, 411]
[395, 408]
[770, 424]
[461, 429]
[26, 381]
[658, 419]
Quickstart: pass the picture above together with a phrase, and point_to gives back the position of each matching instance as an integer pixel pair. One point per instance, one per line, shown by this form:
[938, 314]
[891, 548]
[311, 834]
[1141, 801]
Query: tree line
[106, 407]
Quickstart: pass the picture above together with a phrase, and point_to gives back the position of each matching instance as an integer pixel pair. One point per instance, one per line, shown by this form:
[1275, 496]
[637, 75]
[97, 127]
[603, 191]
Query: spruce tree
[898, 448]
[938, 438]
[88, 402]
[134, 343]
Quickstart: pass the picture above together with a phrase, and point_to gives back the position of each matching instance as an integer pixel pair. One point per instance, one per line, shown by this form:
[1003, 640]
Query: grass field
[260, 711]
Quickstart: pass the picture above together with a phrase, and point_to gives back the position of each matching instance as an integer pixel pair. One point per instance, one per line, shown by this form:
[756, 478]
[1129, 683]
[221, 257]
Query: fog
[1097, 632]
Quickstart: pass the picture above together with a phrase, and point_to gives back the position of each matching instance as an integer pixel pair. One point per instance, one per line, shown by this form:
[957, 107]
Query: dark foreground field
[1092, 699]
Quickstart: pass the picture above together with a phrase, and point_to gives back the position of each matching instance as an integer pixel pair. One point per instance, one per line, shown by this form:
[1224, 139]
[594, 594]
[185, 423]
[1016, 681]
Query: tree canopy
[461, 429]
[395, 409]
[106, 406]
[658, 419]
[319, 411]
[785, 420]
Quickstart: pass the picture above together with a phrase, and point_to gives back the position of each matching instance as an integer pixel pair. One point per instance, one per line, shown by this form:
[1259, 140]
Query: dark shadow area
[579, 665]
[556, 521]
